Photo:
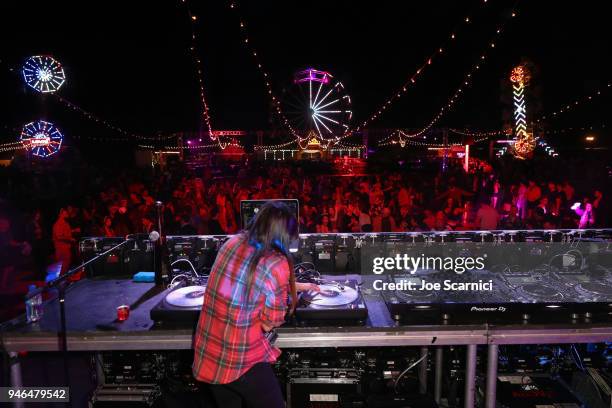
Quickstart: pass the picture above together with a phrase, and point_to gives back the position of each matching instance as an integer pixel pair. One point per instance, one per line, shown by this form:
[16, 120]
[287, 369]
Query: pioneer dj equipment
[180, 306]
[329, 387]
[524, 281]
[352, 377]
[140, 257]
[320, 250]
[382, 369]
[130, 367]
[114, 264]
[338, 301]
[199, 250]
[347, 254]
[125, 395]
[152, 378]
[524, 297]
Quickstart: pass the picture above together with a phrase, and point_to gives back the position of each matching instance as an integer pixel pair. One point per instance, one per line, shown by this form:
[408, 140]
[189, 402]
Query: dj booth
[568, 305]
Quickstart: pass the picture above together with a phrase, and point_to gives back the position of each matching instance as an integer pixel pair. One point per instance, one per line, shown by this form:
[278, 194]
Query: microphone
[154, 236]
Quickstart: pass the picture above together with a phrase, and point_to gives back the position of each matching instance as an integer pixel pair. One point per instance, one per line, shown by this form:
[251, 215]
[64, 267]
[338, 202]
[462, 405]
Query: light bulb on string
[404, 87]
[450, 103]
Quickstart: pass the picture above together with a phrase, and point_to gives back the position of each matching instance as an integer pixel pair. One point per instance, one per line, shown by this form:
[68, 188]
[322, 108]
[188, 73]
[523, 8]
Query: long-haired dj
[246, 297]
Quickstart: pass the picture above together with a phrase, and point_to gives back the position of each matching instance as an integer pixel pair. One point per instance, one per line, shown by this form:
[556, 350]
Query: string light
[128, 135]
[455, 97]
[190, 147]
[292, 152]
[4, 148]
[411, 80]
[575, 103]
[472, 133]
[349, 146]
[571, 130]
[277, 146]
[398, 138]
[197, 62]
[11, 144]
[260, 66]
[405, 142]
[341, 152]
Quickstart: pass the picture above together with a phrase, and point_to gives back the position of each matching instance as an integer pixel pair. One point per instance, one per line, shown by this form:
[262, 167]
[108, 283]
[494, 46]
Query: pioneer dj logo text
[411, 264]
[488, 309]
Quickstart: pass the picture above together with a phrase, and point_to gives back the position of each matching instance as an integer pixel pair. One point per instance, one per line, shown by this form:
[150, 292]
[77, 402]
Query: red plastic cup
[123, 312]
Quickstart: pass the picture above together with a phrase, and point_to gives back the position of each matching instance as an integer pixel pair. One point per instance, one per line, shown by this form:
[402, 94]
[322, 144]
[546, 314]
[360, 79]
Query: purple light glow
[312, 75]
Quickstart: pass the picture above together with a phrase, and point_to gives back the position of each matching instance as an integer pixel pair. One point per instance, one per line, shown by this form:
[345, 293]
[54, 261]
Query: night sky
[127, 61]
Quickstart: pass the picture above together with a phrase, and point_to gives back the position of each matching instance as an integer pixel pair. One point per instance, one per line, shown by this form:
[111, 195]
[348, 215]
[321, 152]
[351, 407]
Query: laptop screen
[250, 208]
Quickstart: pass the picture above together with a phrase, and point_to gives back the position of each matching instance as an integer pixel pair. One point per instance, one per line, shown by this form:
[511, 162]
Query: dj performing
[447, 285]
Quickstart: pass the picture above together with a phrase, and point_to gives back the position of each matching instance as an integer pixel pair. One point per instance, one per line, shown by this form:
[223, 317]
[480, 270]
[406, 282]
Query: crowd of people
[387, 201]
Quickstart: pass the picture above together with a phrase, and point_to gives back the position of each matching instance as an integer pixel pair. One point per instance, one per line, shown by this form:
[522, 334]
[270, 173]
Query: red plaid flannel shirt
[229, 339]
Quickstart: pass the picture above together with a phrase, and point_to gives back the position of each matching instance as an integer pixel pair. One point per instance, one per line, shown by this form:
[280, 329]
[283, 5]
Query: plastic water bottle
[33, 305]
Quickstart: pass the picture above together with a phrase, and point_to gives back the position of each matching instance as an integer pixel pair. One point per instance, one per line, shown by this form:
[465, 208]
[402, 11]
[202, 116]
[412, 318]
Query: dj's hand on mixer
[307, 287]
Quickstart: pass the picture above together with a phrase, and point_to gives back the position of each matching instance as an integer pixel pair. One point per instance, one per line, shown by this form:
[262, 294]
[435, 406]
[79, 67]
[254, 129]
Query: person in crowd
[10, 251]
[585, 211]
[107, 229]
[121, 220]
[600, 207]
[63, 240]
[456, 193]
[510, 220]
[521, 200]
[384, 221]
[186, 227]
[37, 237]
[324, 226]
[533, 194]
[487, 217]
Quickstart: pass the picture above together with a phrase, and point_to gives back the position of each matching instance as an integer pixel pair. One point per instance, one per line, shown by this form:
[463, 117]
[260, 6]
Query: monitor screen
[250, 208]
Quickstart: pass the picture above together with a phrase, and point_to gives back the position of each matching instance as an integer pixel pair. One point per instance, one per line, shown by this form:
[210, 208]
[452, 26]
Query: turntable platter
[597, 288]
[413, 295]
[189, 296]
[332, 295]
[541, 291]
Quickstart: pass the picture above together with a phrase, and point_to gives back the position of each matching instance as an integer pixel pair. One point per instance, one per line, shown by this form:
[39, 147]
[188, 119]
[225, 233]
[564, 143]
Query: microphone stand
[61, 284]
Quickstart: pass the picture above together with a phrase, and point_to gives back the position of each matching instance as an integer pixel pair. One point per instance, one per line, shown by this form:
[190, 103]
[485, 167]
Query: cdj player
[540, 281]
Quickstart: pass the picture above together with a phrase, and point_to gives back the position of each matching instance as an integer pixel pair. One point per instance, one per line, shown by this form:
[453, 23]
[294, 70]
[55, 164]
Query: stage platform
[92, 326]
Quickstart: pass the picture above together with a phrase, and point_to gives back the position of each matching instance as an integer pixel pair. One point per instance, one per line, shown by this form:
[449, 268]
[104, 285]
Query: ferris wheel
[318, 103]
[43, 73]
[42, 138]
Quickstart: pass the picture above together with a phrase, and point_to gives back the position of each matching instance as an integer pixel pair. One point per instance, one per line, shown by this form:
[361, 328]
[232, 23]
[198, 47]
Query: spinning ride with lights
[317, 106]
[41, 138]
[43, 73]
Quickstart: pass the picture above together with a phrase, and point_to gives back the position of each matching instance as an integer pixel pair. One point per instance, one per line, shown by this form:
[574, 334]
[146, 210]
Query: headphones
[277, 242]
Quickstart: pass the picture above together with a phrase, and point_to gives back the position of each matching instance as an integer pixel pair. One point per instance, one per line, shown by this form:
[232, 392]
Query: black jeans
[257, 388]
